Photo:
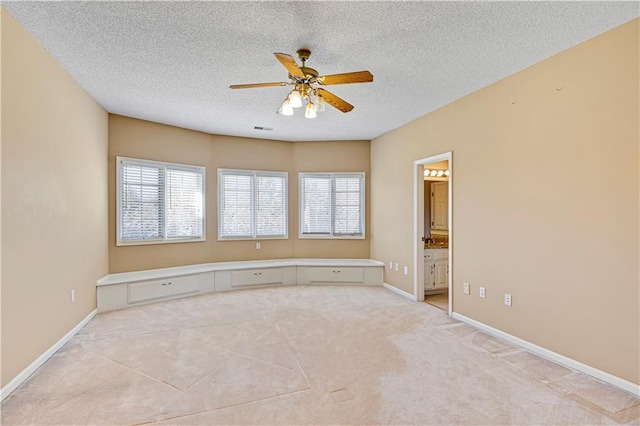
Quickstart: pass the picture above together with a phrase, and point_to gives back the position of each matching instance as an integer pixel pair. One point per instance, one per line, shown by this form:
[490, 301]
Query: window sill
[153, 242]
[331, 237]
[252, 238]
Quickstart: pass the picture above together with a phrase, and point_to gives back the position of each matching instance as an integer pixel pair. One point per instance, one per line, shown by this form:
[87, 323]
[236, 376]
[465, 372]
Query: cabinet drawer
[336, 275]
[251, 277]
[440, 254]
[140, 292]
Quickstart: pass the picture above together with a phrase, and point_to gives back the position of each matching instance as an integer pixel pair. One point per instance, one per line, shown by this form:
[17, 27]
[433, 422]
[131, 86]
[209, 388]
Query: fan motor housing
[303, 54]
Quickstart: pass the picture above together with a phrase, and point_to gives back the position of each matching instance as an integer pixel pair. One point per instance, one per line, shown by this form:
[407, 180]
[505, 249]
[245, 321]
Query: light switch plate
[466, 288]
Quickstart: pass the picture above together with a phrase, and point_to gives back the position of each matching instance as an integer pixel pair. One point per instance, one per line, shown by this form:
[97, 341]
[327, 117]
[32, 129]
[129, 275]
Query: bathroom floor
[440, 301]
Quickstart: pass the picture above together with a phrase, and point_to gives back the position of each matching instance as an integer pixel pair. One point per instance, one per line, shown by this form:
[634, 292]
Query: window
[159, 202]
[331, 205]
[252, 204]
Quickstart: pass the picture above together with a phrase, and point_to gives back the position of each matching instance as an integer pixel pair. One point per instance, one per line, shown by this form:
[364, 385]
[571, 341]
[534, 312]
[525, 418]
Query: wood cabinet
[436, 269]
[126, 289]
[246, 278]
[429, 272]
[335, 275]
[140, 292]
[162, 289]
[441, 275]
[440, 205]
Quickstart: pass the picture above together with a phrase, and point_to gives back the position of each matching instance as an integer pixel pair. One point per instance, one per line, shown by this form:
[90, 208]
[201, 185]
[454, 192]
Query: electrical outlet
[482, 292]
[391, 264]
[466, 288]
[258, 246]
[405, 270]
[73, 295]
[507, 299]
[396, 268]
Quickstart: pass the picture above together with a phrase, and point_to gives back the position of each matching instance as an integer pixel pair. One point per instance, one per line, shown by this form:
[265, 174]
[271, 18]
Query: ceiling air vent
[266, 129]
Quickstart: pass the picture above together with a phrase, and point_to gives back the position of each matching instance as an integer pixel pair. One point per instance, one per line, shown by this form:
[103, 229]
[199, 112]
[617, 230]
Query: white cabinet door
[440, 205]
[429, 276]
[340, 275]
[161, 289]
[441, 274]
[337, 275]
[429, 272]
[254, 277]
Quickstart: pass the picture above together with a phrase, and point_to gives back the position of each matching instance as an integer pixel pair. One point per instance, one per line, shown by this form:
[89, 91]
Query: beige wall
[334, 157]
[545, 201]
[142, 139]
[54, 200]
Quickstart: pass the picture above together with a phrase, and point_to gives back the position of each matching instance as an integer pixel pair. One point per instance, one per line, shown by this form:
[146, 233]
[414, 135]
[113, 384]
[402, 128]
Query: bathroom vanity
[436, 269]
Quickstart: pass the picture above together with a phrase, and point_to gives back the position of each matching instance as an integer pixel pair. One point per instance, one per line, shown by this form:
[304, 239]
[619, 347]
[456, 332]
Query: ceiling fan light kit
[307, 86]
[295, 99]
[286, 108]
[310, 111]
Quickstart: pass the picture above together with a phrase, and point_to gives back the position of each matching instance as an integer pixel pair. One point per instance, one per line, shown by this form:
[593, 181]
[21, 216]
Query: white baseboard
[24, 374]
[618, 382]
[400, 292]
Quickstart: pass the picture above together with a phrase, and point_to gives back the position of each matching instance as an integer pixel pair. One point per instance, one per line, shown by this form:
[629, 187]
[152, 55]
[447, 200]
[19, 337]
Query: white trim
[400, 292]
[254, 194]
[616, 381]
[331, 235]
[164, 165]
[418, 225]
[450, 237]
[24, 374]
[418, 229]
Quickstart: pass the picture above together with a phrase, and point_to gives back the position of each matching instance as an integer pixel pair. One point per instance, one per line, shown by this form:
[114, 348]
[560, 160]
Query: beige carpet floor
[304, 355]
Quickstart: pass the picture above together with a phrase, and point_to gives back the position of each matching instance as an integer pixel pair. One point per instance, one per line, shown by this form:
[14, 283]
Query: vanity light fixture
[435, 173]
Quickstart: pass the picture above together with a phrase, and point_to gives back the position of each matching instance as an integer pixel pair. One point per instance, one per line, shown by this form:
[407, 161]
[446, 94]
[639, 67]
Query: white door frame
[418, 225]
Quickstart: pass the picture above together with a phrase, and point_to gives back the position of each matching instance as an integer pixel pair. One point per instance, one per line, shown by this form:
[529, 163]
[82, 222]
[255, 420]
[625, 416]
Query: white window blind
[316, 205]
[252, 204]
[184, 203]
[332, 205]
[159, 202]
[348, 206]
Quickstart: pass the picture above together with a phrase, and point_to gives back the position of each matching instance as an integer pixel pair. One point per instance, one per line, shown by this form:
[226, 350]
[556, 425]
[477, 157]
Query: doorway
[433, 230]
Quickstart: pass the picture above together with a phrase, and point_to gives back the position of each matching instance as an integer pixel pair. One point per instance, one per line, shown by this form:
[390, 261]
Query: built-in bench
[126, 289]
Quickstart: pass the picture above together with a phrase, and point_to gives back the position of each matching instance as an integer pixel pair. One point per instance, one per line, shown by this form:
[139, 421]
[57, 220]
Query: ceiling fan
[307, 85]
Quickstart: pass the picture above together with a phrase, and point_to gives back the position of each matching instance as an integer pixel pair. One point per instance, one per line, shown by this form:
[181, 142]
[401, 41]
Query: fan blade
[290, 64]
[346, 78]
[251, 86]
[334, 101]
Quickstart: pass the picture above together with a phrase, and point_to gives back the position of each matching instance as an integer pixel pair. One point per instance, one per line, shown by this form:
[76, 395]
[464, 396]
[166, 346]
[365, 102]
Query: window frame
[331, 235]
[253, 174]
[166, 165]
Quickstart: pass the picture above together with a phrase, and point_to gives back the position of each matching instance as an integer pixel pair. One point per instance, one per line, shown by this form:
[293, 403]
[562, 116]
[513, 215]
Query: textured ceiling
[172, 62]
